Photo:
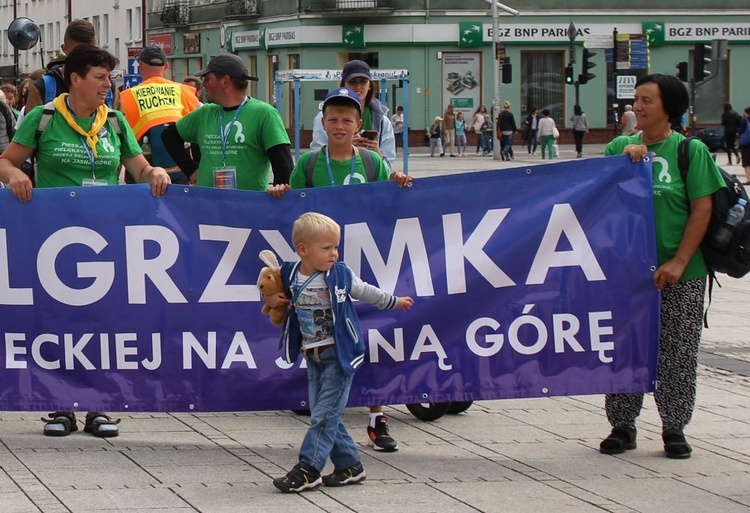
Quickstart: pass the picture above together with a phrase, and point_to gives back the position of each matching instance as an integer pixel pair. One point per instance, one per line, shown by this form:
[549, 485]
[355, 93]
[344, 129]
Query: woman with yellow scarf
[81, 145]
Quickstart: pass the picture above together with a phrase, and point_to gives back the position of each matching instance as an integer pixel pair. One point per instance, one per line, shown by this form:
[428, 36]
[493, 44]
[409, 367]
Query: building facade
[118, 24]
[446, 48]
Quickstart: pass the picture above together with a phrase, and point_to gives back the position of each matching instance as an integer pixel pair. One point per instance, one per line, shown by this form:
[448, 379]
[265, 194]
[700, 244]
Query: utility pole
[572, 58]
[615, 103]
[495, 80]
[15, 50]
[496, 69]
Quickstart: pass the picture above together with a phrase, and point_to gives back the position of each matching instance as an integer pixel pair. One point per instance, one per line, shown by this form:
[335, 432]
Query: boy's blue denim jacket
[347, 334]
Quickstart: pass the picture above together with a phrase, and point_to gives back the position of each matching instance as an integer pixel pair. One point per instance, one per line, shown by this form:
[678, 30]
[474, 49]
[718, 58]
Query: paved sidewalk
[534, 455]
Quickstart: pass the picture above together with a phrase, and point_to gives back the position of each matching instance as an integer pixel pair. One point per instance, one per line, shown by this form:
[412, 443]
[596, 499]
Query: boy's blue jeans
[329, 392]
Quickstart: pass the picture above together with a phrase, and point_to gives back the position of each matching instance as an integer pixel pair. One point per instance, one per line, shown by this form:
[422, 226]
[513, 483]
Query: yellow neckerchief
[96, 125]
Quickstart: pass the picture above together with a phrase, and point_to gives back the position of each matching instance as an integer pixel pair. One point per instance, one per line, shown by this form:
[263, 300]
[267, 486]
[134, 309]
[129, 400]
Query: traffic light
[585, 76]
[569, 74]
[507, 74]
[682, 71]
[701, 60]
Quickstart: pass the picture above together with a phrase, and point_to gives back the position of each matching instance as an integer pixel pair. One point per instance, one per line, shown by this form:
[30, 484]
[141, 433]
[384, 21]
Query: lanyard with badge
[226, 177]
[351, 167]
[296, 291]
[93, 181]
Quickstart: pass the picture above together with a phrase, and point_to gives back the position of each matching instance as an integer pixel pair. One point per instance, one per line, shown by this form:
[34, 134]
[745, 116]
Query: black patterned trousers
[676, 373]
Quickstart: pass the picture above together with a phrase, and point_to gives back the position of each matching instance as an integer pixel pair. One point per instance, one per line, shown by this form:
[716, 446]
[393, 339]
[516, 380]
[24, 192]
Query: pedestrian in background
[531, 126]
[629, 123]
[477, 120]
[7, 122]
[461, 134]
[11, 96]
[195, 82]
[546, 134]
[580, 128]
[744, 142]
[682, 211]
[506, 127]
[154, 103]
[731, 121]
[449, 130]
[397, 120]
[436, 137]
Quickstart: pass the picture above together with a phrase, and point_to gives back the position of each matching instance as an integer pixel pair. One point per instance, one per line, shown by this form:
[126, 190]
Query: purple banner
[527, 282]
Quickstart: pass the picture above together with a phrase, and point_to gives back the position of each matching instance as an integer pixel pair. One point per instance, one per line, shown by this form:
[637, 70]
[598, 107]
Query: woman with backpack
[682, 211]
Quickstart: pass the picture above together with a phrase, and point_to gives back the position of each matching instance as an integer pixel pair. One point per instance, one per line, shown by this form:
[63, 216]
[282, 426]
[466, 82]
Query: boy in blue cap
[340, 162]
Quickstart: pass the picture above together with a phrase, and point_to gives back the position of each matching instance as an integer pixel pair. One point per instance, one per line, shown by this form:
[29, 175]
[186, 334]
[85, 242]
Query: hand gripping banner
[528, 283]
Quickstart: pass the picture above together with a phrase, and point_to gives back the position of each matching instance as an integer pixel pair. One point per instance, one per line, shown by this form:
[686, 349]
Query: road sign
[117, 76]
[133, 66]
[626, 86]
[598, 41]
[131, 80]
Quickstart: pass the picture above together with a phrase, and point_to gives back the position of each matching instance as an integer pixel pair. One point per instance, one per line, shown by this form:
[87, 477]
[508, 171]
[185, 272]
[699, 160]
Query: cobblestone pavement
[531, 455]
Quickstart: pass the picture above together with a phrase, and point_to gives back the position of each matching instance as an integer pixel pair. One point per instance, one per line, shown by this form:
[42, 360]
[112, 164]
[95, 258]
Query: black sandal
[619, 441]
[60, 423]
[675, 445]
[101, 425]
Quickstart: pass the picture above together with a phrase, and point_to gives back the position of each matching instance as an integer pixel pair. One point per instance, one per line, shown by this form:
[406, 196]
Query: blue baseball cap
[342, 96]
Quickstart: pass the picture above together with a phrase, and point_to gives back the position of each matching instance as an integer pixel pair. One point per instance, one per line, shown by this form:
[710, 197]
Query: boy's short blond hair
[310, 224]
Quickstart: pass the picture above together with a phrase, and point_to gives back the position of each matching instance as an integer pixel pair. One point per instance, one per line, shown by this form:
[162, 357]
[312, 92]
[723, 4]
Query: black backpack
[734, 259]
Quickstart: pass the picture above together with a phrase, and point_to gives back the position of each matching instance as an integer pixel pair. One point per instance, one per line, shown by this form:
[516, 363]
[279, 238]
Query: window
[128, 25]
[96, 22]
[137, 34]
[542, 83]
[104, 40]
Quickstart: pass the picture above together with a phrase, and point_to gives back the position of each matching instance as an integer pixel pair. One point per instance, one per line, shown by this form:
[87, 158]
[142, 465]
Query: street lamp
[496, 68]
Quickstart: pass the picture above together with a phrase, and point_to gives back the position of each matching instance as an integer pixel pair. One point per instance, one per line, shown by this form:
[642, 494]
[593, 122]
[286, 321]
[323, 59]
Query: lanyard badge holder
[225, 177]
[93, 181]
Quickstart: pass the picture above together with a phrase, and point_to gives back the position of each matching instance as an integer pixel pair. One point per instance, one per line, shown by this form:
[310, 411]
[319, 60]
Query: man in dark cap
[154, 103]
[357, 77]
[241, 139]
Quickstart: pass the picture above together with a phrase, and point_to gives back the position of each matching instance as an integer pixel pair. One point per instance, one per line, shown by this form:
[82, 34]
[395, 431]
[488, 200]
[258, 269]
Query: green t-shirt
[257, 129]
[367, 119]
[671, 207]
[341, 169]
[62, 157]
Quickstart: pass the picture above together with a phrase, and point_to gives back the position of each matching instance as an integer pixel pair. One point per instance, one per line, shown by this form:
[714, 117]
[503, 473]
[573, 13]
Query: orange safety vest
[156, 101]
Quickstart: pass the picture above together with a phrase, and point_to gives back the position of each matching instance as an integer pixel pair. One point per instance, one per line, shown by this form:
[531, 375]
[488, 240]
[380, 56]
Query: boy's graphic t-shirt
[313, 309]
